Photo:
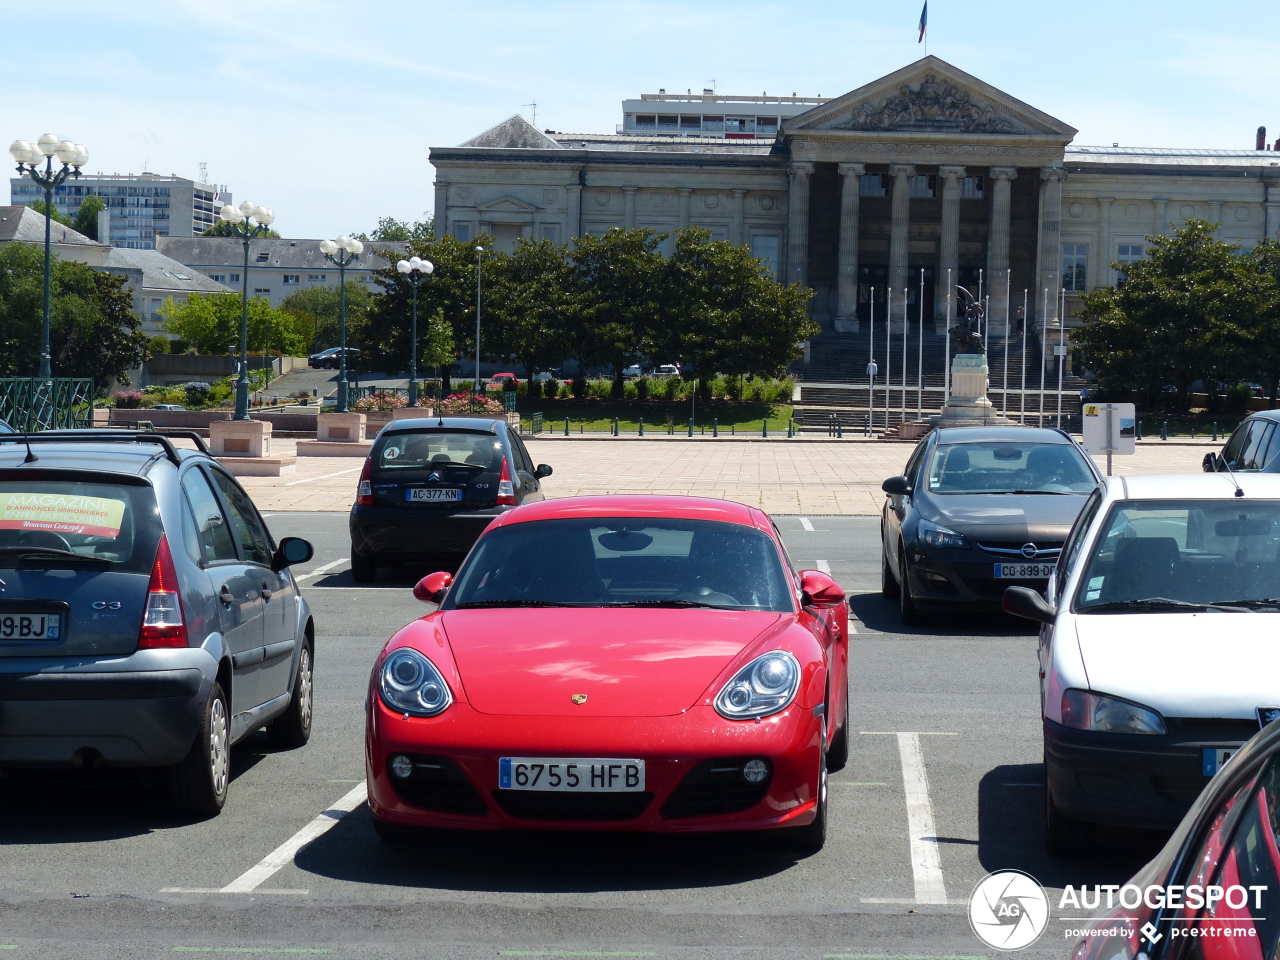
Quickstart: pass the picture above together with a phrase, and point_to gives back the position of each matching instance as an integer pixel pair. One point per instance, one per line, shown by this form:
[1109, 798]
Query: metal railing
[29, 404]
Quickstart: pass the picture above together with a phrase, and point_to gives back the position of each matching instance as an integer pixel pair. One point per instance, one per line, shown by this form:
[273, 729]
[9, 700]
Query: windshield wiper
[668, 603]
[1043, 493]
[51, 552]
[1157, 603]
[513, 602]
[1250, 604]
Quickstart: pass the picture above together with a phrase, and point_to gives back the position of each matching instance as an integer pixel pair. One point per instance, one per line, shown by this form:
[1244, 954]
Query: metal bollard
[715, 426]
[791, 428]
[642, 426]
[1137, 434]
[566, 426]
[1193, 431]
[617, 427]
[691, 426]
[1164, 429]
[765, 430]
[839, 429]
[1215, 431]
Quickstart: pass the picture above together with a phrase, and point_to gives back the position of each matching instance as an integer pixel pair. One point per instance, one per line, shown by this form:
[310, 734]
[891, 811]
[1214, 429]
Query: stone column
[629, 207]
[573, 210]
[949, 245]
[440, 215]
[898, 235]
[1050, 239]
[1162, 217]
[1215, 216]
[1272, 224]
[798, 223]
[847, 264]
[683, 194]
[998, 244]
[1103, 276]
[739, 231]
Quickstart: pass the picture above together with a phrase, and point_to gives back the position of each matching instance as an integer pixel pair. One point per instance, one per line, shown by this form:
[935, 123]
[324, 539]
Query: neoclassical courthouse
[928, 169]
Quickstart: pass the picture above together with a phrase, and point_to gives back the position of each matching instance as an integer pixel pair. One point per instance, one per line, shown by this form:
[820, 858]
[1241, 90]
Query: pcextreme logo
[1008, 910]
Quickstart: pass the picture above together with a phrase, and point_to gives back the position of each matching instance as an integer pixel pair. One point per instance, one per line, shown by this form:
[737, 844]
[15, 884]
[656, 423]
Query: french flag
[924, 21]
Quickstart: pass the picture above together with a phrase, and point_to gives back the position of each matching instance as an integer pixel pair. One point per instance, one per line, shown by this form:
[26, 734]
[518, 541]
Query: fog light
[929, 574]
[754, 771]
[401, 766]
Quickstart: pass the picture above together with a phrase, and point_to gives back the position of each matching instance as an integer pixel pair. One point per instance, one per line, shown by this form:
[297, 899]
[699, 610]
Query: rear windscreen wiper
[437, 464]
[51, 553]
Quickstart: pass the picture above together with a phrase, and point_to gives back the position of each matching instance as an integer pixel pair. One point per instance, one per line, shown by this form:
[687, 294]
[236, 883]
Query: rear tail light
[364, 491]
[162, 621]
[506, 489]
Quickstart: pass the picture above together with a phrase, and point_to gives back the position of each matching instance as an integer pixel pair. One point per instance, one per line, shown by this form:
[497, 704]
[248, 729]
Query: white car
[1159, 647]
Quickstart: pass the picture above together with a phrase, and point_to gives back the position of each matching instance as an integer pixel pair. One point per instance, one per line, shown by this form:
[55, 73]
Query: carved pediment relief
[506, 204]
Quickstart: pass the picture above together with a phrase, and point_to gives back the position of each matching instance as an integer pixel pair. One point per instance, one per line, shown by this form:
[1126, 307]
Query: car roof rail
[112, 436]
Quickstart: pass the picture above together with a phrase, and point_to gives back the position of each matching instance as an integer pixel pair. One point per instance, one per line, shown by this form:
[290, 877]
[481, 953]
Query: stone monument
[967, 404]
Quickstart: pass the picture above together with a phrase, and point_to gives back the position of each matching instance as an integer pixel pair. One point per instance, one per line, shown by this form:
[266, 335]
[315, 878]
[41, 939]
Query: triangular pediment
[506, 204]
[513, 133]
[929, 97]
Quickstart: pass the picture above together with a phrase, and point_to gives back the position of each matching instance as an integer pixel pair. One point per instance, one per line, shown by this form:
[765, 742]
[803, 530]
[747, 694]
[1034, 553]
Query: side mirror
[542, 470]
[897, 487]
[291, 550]
[1025, 602]
[1213, 463]
[432, 587]
[819, 590]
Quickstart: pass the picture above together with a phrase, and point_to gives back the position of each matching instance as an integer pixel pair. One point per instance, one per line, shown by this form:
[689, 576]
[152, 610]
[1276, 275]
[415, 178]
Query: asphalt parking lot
[943, 786]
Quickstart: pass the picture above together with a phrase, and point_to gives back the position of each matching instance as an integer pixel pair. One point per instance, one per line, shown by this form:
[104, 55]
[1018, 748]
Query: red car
[615, 663]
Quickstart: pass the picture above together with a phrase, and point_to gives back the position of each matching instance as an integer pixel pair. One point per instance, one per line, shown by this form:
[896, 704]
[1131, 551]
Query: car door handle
[226, 596]
[266, 592]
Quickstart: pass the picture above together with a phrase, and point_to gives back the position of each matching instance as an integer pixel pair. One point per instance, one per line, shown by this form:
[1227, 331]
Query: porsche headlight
[1093, 711]
[411, 684]
[937, 536]
[763, 687]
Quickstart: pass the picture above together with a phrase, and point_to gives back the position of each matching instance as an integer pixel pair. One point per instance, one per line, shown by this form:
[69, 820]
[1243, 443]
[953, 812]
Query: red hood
[629, 662]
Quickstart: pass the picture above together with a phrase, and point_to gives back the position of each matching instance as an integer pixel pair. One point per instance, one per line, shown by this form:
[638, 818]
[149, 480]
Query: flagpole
[920, 355]
[888, 353]
[946, 369]
[1022, 403]
[1004, 381]
[1044, 328]
[871, 393]
[906, 328]
[1062, 352]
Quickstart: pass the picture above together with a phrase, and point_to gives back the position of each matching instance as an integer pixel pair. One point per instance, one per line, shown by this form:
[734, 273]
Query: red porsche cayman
[615, 663]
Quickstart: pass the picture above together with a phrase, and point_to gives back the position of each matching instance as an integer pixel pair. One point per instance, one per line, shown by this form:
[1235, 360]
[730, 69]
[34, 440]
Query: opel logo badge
[1029, 550]
[579, 698]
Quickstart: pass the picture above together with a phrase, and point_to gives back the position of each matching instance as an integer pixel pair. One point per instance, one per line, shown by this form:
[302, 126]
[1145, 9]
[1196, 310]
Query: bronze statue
[968, 329]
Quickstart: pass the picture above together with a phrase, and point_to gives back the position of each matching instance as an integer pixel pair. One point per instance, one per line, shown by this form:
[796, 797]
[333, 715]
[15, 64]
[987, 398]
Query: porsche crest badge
[579, 698]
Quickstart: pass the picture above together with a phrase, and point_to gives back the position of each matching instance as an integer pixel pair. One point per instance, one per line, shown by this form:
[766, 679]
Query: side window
[1255, 450]
[254, 541]
[913, 465]
[213, 535]
[1071, 549]
[786, 557]
[523, 460]
[1235, 446]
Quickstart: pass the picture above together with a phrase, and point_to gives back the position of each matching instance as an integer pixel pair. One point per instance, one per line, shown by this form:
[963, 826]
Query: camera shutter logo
[1008, 910]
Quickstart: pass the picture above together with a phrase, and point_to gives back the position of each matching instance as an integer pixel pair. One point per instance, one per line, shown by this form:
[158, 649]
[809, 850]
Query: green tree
[1180, 315]
[86, 221]
[58, 216]
[315, 312]
[224, 229]
[534, 302]
[388, 332]
[1261, 278]
[211, 323]
[93, 331]
[391, 230]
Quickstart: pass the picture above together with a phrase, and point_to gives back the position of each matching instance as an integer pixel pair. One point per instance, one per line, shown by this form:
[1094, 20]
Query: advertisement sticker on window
[61, 513]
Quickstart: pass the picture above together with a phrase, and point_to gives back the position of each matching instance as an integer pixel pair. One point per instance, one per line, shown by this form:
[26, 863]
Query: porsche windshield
[642, 561]
[1005, 467]
[1171, 555]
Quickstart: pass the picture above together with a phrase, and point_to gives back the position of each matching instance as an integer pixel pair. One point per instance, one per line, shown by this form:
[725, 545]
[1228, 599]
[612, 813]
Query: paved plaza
[798, 476]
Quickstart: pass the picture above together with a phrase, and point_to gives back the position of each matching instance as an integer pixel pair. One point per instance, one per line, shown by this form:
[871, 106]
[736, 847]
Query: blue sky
[326, 111]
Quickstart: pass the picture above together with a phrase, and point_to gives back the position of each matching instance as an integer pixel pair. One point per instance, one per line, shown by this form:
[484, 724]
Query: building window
[690, 122]
[218, 277]
[549, 231]
[767, 124]
[873, 185]
[971, 189]
[263, 257]
[316, 278]
[291, 279]
[709, 125]
[764, 247]
[261, 291]
[924, 186]
[1074, 258]
[1127, 253]
[462, 231]
[645, 120]
[233, 278]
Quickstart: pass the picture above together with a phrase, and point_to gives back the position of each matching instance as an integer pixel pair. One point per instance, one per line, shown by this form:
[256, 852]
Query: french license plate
[30, 626]
[571, 774]
[1024, 571]
[1212, 758]
[432, 494]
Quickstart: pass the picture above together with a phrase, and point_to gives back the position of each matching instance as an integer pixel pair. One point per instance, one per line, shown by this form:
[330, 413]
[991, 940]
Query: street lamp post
[242, 222]
[344, 251]
[415, 270]
[29, 156]
[479, 254]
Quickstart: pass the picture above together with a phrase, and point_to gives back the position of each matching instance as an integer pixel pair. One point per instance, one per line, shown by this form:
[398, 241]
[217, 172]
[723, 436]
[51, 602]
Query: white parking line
[319, 570]
[806, 523]
[926, 865]
[325, 476]
[283, 855]
[824, 566]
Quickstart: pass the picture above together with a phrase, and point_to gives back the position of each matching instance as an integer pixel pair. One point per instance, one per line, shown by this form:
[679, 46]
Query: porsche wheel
[809, 839]
[838, 755]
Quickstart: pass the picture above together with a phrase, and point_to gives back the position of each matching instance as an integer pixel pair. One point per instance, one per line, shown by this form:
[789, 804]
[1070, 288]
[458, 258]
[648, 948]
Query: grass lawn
[660, 416]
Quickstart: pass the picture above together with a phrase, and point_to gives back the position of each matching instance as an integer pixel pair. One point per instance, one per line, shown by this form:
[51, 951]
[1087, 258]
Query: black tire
[201, 779]
[363, 569]
[888, 585]
[292, 729]
[908, 613]
[810, 839]
[838, 755]
[1064, 836]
